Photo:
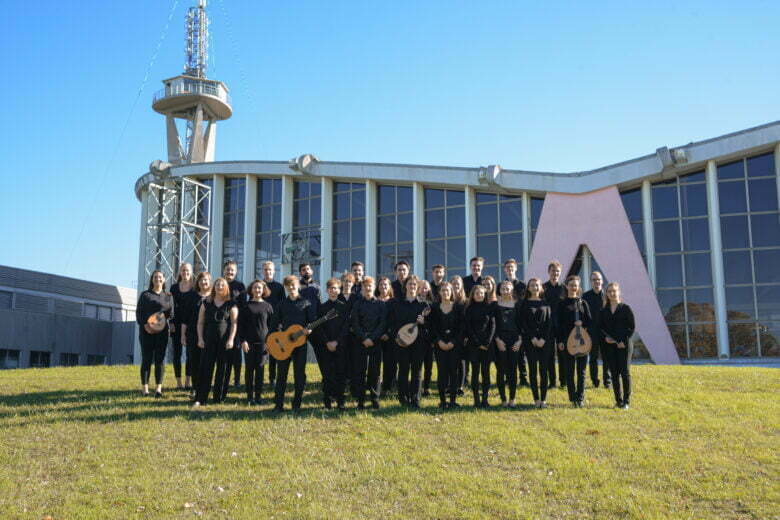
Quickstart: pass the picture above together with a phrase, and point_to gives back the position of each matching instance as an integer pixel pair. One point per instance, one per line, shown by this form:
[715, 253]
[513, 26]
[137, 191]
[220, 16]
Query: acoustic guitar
[407, 334]
[282, 344]
[579, 343]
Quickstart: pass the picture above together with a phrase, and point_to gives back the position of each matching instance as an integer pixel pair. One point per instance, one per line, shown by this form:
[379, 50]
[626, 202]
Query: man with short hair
[554, 292]
[239, 296]
[475, 278]
[510, 270]
[596, 301]
[401, 269]
[359, 272]
[309, 287]
[275, 297]
[438, 276]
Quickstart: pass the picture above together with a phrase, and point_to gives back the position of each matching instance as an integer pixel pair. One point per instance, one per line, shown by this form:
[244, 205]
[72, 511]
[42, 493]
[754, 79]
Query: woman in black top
[403, 311]
[153, 344]
[565, 318]
[369, 324]
[536, 328]
[617, 325]
[238, 295]
[425, 295]
[217, 326]
[384, 293]
[188, 315]
[255, 321]
[183, 286]
[480, 329]
[447, 324]
[459, 296]
[508, 341]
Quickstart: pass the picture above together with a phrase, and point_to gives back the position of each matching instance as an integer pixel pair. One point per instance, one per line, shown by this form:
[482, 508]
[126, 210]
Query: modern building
[696, 227]
[49, 320]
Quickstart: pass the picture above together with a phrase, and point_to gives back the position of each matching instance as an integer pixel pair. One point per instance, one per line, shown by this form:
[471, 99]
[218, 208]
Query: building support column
[418, 229]
[716, 254]
[471, 226]
[287, 218]
[141, 283]
[371, 268]
[326, 233]
[586, 269]
[217, 224]
[250, 228]
[526, 222]
[647, 223]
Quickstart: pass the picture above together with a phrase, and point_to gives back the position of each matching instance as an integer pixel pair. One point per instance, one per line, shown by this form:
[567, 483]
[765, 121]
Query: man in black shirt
[510, 270]
[596, 300]
[358, 271]
[475, 278]
[331, 344]
[237, 295]
[554, 292]
[438, 276]
[401, 274]
[310, 289]
[275, 298]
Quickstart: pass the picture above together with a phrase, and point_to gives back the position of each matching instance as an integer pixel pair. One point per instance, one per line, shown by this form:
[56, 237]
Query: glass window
[734, 232]
[307, 198]
[761, 165]
[732, 197]
[632, 203]
[6, 299]
[104, 313]
[233, 224]
[742, 340]
[268, 238]
[9, 358]
[500, 231]
[96, 359]
[68, 359]
[445, 229]
[735, 170]
[349, 226]
[90, 311]
[394, 241]
[763, 194]
[39, 359]
[536, 214]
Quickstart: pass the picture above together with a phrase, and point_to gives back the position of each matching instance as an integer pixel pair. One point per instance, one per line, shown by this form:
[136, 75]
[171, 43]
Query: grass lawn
[698, 442]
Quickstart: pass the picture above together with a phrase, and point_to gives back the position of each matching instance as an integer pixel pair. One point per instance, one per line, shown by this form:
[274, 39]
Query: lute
[579, 342]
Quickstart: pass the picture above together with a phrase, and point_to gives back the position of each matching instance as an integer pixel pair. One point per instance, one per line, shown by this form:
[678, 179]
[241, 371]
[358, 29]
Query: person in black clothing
[358, 271]
[596, 299]
[438, 276]
[275, 297]
[369, 324]
[554, 292]
[536, 328]
[310, 289]
[475, 278]
[217, 327]
[401, 274]
[510, 270]
[255, 322]
[459, 296]
[425, 295]
[617, 324]
[347, 295]
[447, 324]
[189, 316]
[332, 340]
[480, 330]
[384, 293]
[410, 358]
[238, 296]
[565, 321]
[508, 342]
[294, 309]
[153, 344]
[183, 286]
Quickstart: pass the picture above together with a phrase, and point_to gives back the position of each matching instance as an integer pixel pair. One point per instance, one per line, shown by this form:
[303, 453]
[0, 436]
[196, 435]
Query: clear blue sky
[527, 85]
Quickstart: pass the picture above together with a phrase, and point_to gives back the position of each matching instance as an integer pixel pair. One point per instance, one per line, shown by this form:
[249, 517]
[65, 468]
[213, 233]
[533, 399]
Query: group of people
[464, 323]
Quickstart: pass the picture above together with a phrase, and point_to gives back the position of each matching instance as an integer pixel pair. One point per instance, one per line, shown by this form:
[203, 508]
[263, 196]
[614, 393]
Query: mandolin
[579, 342]
[282, 344]
[156, 323]
[407, 334]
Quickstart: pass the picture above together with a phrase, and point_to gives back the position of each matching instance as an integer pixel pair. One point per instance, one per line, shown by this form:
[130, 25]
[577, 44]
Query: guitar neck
[316, 323]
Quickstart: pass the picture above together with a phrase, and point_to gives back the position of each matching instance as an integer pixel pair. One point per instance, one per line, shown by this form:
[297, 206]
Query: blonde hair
[225, 295]
[458, 296]
[511, 293]
[491, 293]
[616, 286]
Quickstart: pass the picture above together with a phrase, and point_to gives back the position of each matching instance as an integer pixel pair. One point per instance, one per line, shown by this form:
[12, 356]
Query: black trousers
[389, 365]
[480, 372]
[593, 364]
[366, 371]
[153, 348]
[447, 381]
[298, 360]
[619, 360]
[506, 369]
[192, 365]
[521, 365]
[574, 366]
[463, 367]
[428, 366]
[177, 349]
[539, 360]
[333, 366]
[410, 361]
[234, 365]
[272, 362]
[214, 356]
[551, 369]
[254, 371]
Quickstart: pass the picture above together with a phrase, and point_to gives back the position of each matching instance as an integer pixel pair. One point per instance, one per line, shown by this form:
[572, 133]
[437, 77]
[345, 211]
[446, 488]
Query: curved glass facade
[307, 216]
[499, 232]
[349, 225]
[233, 223]
[394, 228]
[268, 240]
[445, 229]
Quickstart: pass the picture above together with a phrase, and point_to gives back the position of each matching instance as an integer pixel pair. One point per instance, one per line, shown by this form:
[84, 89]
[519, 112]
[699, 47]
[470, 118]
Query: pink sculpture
[598, 220]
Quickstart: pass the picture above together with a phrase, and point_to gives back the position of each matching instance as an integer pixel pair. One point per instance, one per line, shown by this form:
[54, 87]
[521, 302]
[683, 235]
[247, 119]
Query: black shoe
[375, 404]
[340, 406]
[550, 385]
[461, 392]
[596, 383]
[279, 408]
[361, 405]
[607, 384]
[328, 404]
[618, 404]
[477, 404]
[523, 382]
[158, 395]
[453, 404]
[403, 400]
[443, 405]
[625, 405]
[562, 385]
[415, 404]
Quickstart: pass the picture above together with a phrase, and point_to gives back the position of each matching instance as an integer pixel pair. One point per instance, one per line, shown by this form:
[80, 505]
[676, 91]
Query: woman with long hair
[192, 302]
[153, 344]
[384, 293]
[480, 330]
[508, 341]
[256, 321]
[447, 324]
[459, 296]
[184, 285]
[566, 320]
[536, 328]
[617, 325]
[410, 357]
[217, 328]
[425, 295]
[490, 285]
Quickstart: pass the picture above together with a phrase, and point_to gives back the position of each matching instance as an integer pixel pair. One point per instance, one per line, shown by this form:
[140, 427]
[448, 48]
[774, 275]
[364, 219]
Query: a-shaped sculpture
[598, 220]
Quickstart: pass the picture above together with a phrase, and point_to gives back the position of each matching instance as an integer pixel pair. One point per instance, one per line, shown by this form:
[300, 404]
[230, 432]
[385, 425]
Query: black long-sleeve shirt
[369, 319]
[448, 327]
[480, 324]
[506, 322]
[469, 282]
[151, 303]
[237, 292]
[295, 312]
[565, 317]
[618, 325]
[276, 293]
[398, 290]
[335, 329]
[535, 320]
[595, 303]
[310, 290]
[178, 303]
[403, 312]
[188, 313]
[553, 294]
[255, 321]
[519, 286]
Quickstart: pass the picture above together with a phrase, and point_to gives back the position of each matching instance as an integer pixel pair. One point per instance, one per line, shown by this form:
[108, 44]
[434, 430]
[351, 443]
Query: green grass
[698, 442]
